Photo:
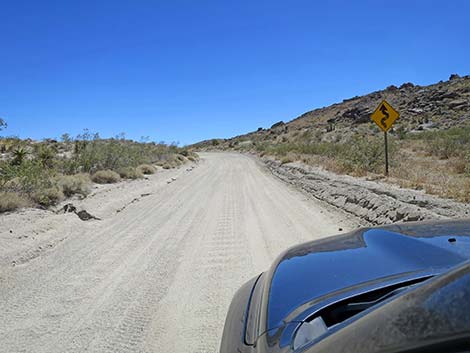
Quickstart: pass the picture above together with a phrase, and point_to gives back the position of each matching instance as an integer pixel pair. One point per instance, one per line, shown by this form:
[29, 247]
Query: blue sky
[186, 71]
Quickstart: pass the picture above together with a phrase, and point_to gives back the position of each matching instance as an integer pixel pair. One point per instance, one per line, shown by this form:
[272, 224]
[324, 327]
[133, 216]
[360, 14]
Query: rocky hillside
[439, 106]
[429, 144]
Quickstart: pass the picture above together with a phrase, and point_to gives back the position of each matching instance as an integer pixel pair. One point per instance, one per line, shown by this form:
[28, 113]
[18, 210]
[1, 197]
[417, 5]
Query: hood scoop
[336, 313]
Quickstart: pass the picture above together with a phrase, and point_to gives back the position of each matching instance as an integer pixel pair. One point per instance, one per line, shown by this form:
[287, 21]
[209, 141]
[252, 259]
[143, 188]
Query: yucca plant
[19, 156]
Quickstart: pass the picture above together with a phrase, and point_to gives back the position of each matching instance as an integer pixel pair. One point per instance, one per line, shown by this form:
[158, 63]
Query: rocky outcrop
[375, 202]
[278, 124]
[357, 115]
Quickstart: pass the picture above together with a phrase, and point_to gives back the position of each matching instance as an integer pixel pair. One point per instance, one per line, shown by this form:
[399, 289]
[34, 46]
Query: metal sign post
[384, 116]
[386, 154]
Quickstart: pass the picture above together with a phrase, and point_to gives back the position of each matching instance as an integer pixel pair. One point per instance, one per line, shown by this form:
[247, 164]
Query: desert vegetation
[46, 172]
[429, 146]
[437, 162]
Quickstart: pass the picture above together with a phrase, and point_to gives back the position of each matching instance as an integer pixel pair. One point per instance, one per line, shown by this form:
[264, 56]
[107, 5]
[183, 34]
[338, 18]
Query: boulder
[278, 124]
[358, 115]
[406, 85]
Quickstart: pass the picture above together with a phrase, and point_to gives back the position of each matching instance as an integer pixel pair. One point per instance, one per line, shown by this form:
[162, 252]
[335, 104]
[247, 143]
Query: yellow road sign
[384, 116]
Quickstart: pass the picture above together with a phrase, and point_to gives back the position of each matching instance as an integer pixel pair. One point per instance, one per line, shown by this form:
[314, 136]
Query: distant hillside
[429, 144]
[438, 106]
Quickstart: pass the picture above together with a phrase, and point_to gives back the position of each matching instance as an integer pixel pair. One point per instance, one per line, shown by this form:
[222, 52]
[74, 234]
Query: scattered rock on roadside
[85, 216]
[69, 208]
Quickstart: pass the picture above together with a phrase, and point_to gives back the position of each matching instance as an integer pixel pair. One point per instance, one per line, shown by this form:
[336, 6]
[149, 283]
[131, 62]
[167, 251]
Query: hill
[430, 142]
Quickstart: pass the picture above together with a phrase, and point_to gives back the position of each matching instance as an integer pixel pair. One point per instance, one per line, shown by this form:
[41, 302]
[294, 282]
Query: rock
[278, 124]
[69, 208]
[358, 115]
[453, 77]
[406, 85]
[457, 103]
[85, 216]
[416, 110]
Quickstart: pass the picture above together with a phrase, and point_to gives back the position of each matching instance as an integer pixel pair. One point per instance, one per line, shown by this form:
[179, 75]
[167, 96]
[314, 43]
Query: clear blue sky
[185, 71]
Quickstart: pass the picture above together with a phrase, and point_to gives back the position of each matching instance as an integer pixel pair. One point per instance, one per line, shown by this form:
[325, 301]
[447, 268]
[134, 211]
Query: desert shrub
[146, 169]
[75, 184]
[359, 154]
[48, 196]
[46, 172]
[10, 201]
[286, 159]
[192, 159]
[19, 156]
[362, 154]
[25, 178]
[130, 173]
[167, 166]
[465, 193]
[46, 155]
[401, 132]
[443, 148]
[461, 164]
[446, 143]
[91, 153]
[105, 177]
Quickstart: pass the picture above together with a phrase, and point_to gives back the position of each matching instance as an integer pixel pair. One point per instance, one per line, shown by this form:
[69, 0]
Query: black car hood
[306, 274]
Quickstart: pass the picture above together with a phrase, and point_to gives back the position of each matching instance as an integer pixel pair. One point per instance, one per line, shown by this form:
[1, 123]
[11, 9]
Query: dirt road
[158, 271]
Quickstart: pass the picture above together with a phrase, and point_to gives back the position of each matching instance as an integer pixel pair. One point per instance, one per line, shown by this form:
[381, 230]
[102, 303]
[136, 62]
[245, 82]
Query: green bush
[364, 154]
[92, 154]
[105, 177]
[26, 177]
[446, 143]
[46, 155]
[38, 173]
[19, 156]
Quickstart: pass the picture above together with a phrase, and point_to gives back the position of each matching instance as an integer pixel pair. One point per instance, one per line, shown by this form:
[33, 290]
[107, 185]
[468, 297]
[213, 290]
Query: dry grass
[75, 184]
[130, 173]
[10, 201]
[411, 166]
[105, 177]
[146, 169]
[446, 178]
[287, 159]
[48, 196]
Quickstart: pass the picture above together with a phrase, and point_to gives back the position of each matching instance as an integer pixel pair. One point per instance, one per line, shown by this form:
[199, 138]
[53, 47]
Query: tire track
[159, 275]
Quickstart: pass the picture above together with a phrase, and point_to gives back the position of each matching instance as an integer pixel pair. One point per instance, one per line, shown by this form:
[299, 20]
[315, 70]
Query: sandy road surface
[156, 276]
